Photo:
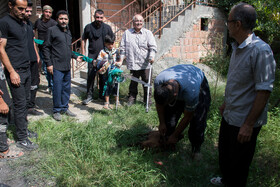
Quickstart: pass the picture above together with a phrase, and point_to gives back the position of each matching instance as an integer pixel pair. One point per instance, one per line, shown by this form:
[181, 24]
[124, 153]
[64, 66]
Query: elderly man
[182, 89]
[17, 66]
[41, 26]
[95, 33]
[138, 46]
[57, 54]
[249, 83]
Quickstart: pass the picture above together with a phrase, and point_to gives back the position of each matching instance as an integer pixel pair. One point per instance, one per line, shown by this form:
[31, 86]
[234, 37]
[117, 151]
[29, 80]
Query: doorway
[74, 14]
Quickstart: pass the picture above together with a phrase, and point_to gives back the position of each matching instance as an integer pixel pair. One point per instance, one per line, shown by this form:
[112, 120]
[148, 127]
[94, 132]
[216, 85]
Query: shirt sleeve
[152, 45]
[85, 34]
[4, 29]
[264, 74]
[47, 45]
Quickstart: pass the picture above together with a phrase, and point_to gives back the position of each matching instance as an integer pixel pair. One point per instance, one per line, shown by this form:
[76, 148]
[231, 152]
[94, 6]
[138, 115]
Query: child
[106, 61]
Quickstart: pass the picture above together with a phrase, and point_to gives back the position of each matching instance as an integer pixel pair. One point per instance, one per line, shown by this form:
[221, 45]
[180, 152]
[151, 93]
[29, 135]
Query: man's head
[242, 17]
[62, 18]
[47, 12]
[138, 22]
[99, 17]
[28, 11]
[109, 42]
[165, 93]
[17, 8]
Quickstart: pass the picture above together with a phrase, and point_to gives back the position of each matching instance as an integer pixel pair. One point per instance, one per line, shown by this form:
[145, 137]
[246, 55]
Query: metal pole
[66, 4]
[148, 91]
[118, 93]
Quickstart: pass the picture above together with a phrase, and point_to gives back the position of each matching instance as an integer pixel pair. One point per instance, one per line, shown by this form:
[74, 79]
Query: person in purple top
[182, 89]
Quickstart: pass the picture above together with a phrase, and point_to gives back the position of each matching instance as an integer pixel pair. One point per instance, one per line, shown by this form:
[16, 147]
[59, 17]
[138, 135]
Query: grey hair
[246, 14]
[134, 17]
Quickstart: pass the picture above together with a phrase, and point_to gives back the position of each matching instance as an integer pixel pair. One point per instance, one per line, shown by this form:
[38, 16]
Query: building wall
[196, 43]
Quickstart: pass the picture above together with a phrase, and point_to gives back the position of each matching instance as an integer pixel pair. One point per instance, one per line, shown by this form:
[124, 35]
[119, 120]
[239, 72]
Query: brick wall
[195, 43]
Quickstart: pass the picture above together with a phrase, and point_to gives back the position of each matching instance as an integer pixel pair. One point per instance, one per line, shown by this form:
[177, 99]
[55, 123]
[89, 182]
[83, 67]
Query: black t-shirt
[96, 37]
[15, 31]
[30, 36]
[42, 27]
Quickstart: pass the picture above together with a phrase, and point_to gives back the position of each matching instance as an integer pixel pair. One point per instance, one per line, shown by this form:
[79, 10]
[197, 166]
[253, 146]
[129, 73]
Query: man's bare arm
[83, 47]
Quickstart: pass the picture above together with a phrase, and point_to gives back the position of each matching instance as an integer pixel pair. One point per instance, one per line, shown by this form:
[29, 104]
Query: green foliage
[268, 17]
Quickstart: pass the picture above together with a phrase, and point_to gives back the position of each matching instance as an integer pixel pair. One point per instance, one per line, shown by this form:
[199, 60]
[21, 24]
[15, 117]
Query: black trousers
[235, 158]
[4, 118]
[21, 96]
[197, 124]
[92, 73]
[35, 81]
[133, 87]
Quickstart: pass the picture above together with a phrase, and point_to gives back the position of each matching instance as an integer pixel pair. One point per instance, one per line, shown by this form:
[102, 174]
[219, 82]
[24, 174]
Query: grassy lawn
[104, 152]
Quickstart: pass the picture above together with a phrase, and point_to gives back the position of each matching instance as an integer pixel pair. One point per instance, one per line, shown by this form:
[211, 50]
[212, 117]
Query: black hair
[64, 12]
[29, 4]
[246, 14]
[162, 94]
[99, 11]
[13, 2]
[109, 39]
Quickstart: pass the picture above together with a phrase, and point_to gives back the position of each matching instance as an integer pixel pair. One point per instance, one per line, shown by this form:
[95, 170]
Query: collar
[62, 29]
[17, 20]
[245, 43]
[141, 31]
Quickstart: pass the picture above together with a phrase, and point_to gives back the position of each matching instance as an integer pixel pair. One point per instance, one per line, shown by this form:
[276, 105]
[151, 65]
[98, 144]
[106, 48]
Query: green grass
[104, 152]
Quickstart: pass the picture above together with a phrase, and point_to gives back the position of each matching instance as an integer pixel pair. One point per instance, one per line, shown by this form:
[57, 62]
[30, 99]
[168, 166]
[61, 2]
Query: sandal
[11, 153]
[217, 181]
[107, 106]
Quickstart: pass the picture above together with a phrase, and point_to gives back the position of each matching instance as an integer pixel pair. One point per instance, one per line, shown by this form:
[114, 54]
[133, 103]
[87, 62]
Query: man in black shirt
[34, 62]
[57, 54]
[41, 26]
[95, 33]
[15, 56]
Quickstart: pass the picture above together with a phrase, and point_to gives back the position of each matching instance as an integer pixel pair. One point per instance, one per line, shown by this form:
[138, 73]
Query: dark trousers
[61, 90]
[49, 76]
[197, 124]
[21, 96]
[235, 158]
[133, 87]
[92, 73]
[4, 118]
[35, 81]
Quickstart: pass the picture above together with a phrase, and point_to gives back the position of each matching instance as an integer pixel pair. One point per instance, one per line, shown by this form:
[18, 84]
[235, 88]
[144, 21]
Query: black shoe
[87, 101]
[57, 116]
[31, 134]
[27, 145]
[130, 102]
[69, 113]
[34, 112]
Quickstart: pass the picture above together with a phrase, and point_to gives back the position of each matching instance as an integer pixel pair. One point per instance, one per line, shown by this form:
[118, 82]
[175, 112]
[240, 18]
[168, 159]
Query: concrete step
[79, 82]
[83, 73]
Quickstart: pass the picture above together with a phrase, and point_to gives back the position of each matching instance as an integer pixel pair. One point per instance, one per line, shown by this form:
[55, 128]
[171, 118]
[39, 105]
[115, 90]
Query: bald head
[246, 14]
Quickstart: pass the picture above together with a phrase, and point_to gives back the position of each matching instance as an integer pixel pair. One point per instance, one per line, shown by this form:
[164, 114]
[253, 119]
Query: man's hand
[222, 108]
[172, 140]
[152, 61]
[4, 109]
[162, 129]
[80, 59]
[50, 69]
[15, 78]
[245, 133]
